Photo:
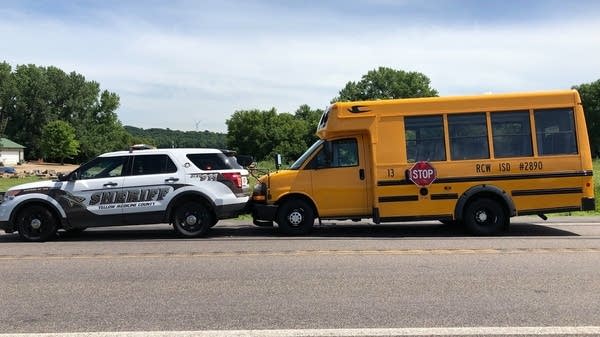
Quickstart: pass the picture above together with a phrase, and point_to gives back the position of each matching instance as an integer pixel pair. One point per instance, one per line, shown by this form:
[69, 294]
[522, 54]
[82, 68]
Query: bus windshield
[298, 163]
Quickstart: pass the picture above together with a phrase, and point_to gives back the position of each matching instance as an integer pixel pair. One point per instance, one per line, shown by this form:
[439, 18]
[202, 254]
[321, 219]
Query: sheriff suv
[190, 188]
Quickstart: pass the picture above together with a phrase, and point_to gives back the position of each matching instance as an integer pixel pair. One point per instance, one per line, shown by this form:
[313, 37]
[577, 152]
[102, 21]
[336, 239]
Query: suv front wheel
[192, 219]
[36, 223]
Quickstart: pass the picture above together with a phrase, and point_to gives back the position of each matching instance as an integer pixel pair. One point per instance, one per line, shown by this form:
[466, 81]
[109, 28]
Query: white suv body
[190, 188]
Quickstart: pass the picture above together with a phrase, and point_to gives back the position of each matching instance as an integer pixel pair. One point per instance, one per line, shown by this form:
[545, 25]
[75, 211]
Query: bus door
[339, 178]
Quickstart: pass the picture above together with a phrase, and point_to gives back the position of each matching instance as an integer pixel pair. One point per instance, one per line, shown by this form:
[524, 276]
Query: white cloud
[175, 74]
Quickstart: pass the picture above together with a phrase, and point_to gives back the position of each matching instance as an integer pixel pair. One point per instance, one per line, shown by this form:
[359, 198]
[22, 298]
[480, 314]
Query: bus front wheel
[295, 217]
[485, 217]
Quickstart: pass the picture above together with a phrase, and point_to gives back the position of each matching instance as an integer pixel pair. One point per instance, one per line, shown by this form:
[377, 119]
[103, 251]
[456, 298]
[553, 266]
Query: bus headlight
[260, 192]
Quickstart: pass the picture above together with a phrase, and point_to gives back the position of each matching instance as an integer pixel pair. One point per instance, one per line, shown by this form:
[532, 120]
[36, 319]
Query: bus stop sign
[422, 174]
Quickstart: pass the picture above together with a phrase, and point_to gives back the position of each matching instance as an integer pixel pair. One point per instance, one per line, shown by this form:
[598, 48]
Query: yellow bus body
[537, 160]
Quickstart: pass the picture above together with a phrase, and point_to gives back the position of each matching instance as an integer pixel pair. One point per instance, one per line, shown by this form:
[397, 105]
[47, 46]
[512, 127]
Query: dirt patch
[34, 168]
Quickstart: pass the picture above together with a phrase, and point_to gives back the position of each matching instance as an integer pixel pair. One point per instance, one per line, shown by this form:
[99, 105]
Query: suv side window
[102, 167]
[210, 161]
[152, 164]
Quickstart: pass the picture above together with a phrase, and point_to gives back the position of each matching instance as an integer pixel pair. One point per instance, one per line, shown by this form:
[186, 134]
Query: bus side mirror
[277, 161]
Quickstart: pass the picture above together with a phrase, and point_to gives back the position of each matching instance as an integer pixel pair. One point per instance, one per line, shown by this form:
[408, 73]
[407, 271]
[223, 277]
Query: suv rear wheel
[192, 219]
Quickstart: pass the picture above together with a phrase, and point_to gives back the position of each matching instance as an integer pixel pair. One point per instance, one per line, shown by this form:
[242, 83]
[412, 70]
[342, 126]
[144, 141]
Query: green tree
[8, 92]
[288, 136]
[32, 110]
[311, 119]
[252, 132]
[263, 133]
[58, 141]
[386, 83]
[590, 99]
[31, 96]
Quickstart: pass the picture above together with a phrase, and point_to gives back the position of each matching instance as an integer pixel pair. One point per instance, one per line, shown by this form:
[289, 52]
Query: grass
[6, 183]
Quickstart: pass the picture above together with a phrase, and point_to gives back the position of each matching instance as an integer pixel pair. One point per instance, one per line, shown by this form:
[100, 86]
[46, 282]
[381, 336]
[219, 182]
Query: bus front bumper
[264, 212]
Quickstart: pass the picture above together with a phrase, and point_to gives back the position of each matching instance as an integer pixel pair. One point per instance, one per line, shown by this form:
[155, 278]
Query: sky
[190, 64]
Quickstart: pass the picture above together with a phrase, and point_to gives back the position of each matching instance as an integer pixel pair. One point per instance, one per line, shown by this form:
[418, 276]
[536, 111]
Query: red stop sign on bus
[422, 174]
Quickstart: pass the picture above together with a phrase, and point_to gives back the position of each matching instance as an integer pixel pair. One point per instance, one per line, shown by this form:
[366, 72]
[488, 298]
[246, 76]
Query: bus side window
[468, 136]
[337, 153]
[345, 153]
[424, 138]
[555, 130]
[511, 134]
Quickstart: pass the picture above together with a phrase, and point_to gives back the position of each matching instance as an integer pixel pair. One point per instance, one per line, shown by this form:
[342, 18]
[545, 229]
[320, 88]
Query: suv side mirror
[277, 161]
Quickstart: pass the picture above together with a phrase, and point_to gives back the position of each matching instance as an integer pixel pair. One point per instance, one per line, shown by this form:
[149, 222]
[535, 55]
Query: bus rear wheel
[295, 217]
[485, 217]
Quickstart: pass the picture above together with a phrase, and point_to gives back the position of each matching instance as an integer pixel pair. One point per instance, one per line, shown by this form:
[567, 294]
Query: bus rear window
[555, 130]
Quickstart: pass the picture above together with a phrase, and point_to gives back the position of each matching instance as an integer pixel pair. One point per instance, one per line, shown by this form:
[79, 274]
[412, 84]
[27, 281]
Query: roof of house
[6, 143]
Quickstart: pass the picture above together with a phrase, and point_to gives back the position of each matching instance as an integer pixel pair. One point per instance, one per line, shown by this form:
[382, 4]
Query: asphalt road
[343, 276]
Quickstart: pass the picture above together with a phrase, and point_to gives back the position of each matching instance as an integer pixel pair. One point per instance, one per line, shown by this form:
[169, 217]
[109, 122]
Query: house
[11, 153]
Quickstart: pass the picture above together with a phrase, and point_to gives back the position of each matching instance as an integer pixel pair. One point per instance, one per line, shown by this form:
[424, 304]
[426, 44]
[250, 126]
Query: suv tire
[36, 223]
[192, 219]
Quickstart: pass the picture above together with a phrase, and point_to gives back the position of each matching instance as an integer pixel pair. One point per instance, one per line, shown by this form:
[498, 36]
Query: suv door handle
[171, 180]
[361, 174]
[110, 184]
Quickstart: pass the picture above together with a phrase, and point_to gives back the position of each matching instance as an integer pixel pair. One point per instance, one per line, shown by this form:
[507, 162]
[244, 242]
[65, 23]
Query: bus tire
[36, 223]
[295, 217]
[485, 217]
[192, 219]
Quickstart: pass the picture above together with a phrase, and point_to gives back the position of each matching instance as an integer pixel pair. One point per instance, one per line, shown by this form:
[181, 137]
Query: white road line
[467, 331]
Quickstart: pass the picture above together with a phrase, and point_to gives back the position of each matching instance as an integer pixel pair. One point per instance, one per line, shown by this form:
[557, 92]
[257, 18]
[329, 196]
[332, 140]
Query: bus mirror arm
[277, 161]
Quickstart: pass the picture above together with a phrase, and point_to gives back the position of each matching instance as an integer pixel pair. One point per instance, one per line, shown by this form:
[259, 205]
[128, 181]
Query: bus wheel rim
[295, 218]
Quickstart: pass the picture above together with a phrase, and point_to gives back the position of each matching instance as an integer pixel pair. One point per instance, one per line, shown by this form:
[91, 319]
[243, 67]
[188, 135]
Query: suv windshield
[298, 163]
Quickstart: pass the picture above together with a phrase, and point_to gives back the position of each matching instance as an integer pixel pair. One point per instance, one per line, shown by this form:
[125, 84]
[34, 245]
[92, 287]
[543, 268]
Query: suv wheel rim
[191, 220]
[35, 223]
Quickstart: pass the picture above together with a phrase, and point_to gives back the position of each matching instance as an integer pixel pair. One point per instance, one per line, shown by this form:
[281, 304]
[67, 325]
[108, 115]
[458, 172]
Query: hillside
[163, 138]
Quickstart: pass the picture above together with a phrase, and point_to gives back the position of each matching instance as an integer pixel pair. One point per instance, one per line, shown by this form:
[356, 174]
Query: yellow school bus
[474, 160]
